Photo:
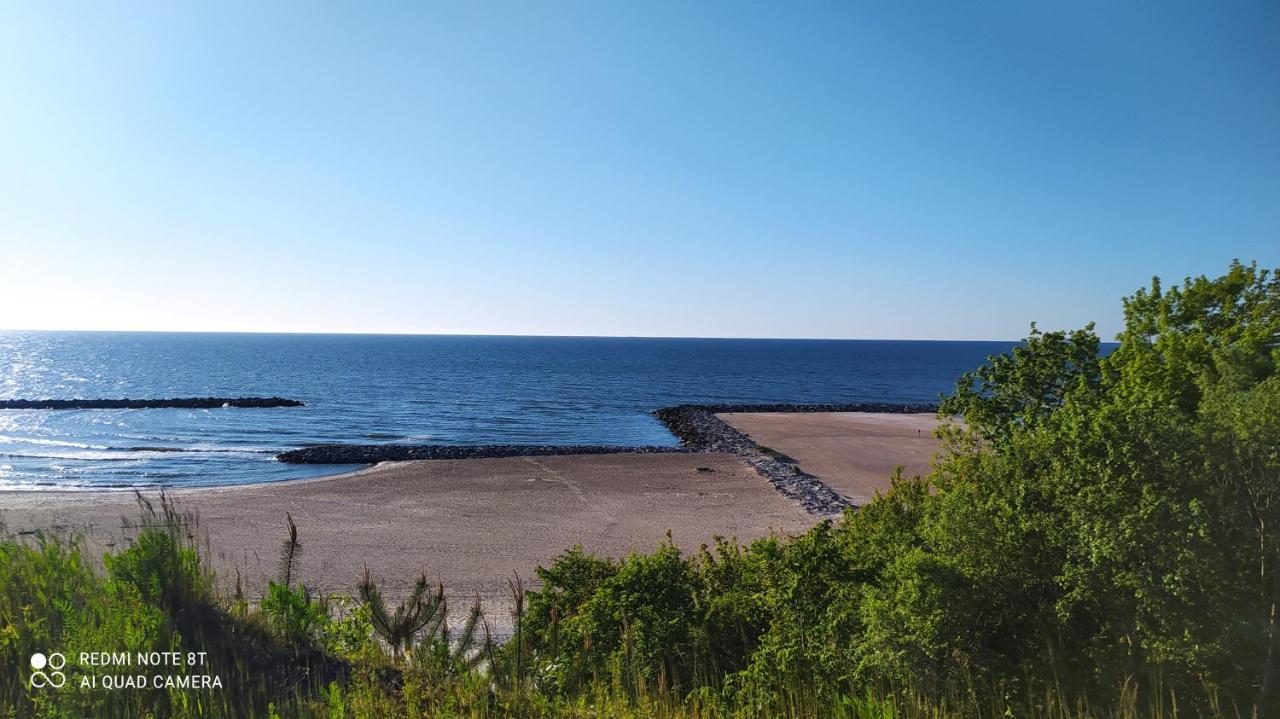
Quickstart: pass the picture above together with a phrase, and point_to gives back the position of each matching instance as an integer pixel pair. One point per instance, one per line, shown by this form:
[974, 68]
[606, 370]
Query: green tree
[1133, 498]
[1021, 389]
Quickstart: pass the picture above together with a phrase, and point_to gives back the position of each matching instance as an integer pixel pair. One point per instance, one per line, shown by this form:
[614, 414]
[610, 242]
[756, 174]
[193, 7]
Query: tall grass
[294, 654]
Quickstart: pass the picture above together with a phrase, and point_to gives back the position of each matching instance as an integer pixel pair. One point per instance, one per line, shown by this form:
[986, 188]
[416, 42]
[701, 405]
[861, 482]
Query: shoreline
[177, 491]
[375, 453]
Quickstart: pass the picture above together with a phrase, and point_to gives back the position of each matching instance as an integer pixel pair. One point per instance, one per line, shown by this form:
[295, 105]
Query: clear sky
[913, 170]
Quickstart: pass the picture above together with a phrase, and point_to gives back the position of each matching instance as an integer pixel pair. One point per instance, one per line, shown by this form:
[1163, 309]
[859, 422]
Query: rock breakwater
[126, 403]
[374, 453]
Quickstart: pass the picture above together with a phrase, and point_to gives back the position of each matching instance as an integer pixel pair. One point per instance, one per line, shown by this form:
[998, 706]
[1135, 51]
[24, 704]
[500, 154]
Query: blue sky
[906, 170]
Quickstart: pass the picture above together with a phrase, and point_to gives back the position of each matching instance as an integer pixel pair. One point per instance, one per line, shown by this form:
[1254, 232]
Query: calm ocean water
[404, 389]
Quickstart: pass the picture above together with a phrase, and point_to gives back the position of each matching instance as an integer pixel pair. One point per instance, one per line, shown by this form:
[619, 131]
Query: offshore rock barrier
[698, 428]
[374, 453]
[126, 403]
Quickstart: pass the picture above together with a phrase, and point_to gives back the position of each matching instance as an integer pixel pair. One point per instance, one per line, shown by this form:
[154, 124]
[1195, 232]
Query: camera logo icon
[53, 677]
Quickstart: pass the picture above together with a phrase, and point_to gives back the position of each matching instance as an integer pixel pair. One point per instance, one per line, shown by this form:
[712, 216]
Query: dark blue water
[405, 389]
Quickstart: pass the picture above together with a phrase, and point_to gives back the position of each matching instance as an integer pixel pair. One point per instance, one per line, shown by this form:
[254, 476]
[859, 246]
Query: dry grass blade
[289, 552]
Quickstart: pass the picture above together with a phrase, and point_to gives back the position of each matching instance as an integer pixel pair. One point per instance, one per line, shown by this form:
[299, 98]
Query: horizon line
[501, 334]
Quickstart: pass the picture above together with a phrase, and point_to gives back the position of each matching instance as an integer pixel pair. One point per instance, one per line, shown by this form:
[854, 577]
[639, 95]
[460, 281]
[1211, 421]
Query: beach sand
[476, 523]
[472, 523]
[855, 453]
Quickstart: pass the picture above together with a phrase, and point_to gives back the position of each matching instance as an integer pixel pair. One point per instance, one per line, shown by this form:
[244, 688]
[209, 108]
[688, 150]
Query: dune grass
[656, 635]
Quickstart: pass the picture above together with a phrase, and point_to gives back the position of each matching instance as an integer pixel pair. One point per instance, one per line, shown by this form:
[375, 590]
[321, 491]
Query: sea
[404, 389]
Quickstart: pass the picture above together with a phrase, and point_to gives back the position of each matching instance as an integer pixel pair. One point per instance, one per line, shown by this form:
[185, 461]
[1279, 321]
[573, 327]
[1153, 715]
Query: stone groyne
[374, 453]
[126, 403]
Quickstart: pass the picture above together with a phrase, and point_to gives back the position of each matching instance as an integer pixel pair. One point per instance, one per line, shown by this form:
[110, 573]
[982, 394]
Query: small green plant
[292, 615]
[291, 611]
[423, 612]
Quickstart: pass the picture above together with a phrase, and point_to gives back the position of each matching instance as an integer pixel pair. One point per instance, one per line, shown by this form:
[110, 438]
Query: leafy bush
[162, 572]
[292, 615]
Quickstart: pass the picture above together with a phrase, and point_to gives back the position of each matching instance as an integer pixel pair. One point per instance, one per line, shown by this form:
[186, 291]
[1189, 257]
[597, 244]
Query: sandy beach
[472, 523]
[854, 453]
[476, 523]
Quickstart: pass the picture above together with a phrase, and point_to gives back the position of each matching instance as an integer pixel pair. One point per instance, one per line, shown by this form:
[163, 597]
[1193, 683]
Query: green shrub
[292, 615]
[162, 572]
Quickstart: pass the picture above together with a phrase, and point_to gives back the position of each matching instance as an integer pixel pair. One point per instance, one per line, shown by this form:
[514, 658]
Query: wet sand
[855, 453]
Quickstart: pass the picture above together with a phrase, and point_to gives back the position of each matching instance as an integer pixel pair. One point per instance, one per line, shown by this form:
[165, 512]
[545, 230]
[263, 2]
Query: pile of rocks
[374, 453]
[126, 403]
[877, 407]
[698, 428]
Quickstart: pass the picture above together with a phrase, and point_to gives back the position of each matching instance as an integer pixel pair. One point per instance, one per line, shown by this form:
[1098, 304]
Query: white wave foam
[107, 456]
[119, 455]
[49, 442]
[233, 449]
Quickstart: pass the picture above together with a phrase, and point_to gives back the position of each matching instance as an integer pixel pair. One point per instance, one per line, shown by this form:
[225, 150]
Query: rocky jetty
[878, 407]
[373, 453]
[126, 403]
[698, 428]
